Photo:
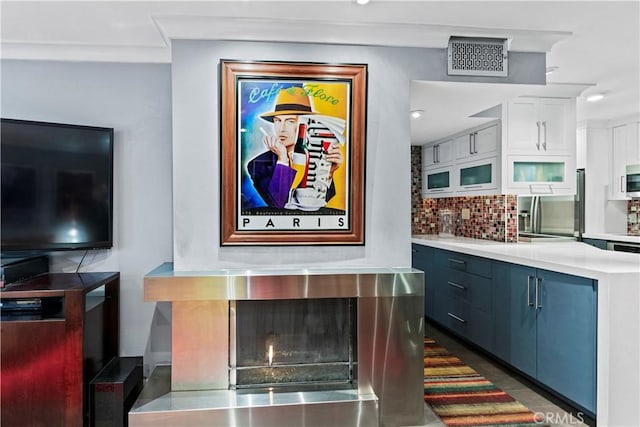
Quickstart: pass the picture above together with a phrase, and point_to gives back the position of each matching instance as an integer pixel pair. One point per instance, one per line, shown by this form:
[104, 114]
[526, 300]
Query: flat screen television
[57, 186]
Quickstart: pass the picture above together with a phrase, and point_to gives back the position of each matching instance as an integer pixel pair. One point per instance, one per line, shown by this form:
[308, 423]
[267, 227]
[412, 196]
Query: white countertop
[566, 257]
[613, 237]
[618, 276]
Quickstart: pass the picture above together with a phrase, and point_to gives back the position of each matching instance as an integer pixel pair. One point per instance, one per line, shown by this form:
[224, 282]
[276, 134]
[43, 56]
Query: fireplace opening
[308, 343]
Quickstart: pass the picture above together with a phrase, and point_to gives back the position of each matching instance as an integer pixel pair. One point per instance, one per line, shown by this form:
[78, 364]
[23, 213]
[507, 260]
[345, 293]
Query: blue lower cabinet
[463, 296]
[598, 243]
[422, 259]
[481, 329]
[515, 316]
[454, 313]
[545, 325]
[567, 336]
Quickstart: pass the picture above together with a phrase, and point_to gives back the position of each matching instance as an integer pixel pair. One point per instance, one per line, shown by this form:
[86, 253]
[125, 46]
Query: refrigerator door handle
[535, 214]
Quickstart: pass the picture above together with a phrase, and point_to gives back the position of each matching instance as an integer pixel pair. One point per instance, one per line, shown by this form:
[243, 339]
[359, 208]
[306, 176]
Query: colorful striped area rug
[462, 397]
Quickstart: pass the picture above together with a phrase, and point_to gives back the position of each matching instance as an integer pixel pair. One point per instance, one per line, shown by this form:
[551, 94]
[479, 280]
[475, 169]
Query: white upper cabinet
[541, 125]
[438, 154]
[531, 149]
[479, 143]
[437, 170]
[625, 150]
[540, 146]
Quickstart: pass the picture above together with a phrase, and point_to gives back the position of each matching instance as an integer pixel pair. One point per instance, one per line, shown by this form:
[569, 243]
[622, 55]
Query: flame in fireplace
[270, 354]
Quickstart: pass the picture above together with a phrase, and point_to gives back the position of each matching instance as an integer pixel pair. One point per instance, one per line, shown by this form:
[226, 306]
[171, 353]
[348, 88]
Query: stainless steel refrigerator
[552, 217]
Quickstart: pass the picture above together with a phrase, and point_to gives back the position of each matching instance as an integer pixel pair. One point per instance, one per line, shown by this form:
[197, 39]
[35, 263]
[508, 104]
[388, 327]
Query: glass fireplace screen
[294, 342]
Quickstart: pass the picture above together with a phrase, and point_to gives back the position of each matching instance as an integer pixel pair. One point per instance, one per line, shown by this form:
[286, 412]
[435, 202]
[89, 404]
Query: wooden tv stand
[49, 355]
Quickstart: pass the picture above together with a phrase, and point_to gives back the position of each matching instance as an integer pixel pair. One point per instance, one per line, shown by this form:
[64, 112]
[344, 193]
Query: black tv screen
[57, 186]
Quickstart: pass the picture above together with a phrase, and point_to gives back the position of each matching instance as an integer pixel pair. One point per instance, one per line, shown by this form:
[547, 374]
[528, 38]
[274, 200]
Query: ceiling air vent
[471, 56]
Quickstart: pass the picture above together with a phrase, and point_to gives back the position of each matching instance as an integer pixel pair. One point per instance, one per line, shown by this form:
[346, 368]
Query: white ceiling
[595, 45]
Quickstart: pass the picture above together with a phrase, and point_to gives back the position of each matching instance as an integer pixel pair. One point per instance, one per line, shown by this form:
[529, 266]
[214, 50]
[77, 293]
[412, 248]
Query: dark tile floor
[556, 412]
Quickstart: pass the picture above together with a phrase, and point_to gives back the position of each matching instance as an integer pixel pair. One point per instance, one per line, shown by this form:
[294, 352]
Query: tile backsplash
[633, 217]
[489, 217]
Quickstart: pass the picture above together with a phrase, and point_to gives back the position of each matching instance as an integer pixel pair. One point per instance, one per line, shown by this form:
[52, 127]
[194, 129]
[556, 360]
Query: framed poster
[293, 153]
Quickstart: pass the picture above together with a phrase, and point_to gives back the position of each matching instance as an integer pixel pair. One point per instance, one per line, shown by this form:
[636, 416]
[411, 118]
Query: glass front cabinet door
[541, 175]
[478, 175]
[437, 182]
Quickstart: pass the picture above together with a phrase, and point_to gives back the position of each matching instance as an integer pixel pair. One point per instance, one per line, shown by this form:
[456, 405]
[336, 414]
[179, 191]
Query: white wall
[196, 151]
[601, 214]
[150, 104]
[135, 100]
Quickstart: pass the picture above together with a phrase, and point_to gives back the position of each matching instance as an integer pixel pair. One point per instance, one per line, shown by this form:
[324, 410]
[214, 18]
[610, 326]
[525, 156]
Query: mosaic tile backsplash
[633, 217]
[489, 217]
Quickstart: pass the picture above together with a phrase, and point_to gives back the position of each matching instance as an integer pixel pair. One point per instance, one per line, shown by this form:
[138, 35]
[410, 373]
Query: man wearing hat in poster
[272, 172]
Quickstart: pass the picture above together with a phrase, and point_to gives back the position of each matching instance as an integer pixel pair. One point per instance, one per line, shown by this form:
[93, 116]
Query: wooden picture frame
[292, 153]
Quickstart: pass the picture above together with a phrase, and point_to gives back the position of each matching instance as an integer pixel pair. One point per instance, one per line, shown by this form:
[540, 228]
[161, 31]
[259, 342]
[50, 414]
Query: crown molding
[85, 52]
[352, 33]
[193, 27]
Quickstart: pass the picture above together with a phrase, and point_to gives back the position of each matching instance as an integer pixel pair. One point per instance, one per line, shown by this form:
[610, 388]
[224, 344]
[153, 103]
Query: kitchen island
[618, 298]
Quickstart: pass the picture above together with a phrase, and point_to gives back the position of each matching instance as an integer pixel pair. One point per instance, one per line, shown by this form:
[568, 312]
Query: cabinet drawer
[458, 316]
[475, 290]
[463, 262]
[453, 313]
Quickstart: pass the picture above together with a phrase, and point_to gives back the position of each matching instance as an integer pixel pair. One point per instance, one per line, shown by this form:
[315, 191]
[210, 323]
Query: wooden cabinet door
[515, 315]
[33, 373]
[566, 335]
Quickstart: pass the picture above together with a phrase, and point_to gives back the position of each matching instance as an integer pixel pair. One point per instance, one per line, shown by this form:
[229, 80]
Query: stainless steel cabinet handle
[538, 143]
[457, 318]
[538, 305]
[435, 190]
[622, 183]
[456, 285]
[544, 142]
[475, 147]
[529, 304]
[470, 143]
[438, 153]
[457, 261]
[434, 154]
[473, 186]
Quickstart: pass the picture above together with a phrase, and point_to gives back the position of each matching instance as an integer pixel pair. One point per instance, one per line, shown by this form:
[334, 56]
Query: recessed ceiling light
[595, 97]
[550, 70]
[417, 113]
[362, 1]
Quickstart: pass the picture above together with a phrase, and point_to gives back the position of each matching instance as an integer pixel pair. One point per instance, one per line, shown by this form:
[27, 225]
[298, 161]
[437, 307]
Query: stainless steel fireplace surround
[390, 330]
